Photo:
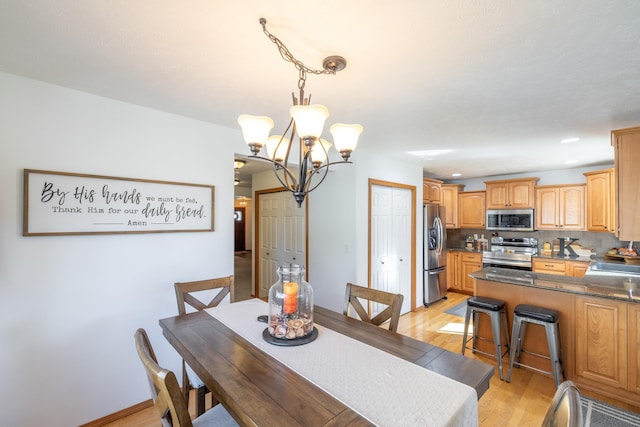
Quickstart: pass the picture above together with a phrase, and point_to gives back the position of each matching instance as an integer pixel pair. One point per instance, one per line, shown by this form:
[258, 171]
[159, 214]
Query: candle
[290, 297]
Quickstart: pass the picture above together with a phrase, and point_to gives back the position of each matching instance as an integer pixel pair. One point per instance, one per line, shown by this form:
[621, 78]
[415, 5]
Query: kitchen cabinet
[548, 266]
[560, 207]
[431, 191]
[600, 200]
[453, 271]
[626, 144]
[471, 209]
[575, 268]
[600, 337]
[449, 196]
[511, 194]
[601, 341]
[559, 267]
[459, 265]
[469, 263]
[634, 348]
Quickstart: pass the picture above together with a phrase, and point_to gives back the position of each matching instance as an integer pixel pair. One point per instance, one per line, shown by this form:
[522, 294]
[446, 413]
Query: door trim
[411, 188]
[256, 235]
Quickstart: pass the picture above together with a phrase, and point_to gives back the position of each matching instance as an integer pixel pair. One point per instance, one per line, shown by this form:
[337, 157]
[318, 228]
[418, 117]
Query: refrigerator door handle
[440, 234]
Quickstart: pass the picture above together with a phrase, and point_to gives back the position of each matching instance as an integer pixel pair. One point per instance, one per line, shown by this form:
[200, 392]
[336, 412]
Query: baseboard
[120, 414]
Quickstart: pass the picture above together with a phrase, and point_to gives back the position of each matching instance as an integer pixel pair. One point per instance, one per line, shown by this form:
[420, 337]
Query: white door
[282, 236]
[391, 242]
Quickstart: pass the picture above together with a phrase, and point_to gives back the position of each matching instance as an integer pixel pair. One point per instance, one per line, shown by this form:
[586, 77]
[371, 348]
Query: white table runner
[386, 390]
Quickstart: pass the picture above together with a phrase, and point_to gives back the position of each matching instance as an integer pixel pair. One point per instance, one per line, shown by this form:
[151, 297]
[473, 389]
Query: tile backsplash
[601, 242]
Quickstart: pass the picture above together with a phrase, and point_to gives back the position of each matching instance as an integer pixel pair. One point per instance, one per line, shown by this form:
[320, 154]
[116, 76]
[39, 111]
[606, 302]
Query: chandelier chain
[286, 54]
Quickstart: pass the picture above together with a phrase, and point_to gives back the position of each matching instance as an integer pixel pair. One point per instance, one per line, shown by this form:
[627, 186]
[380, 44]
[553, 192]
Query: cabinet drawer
[471, 257]
[548, 266]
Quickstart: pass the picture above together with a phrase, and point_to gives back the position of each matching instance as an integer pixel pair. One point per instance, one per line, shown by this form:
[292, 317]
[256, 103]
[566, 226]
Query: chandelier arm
[288, 175]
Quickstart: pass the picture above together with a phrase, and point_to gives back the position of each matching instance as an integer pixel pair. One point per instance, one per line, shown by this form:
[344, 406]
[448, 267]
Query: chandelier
[307, 123]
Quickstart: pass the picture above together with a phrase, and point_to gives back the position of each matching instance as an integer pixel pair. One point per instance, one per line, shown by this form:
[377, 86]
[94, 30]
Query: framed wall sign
[60, 203]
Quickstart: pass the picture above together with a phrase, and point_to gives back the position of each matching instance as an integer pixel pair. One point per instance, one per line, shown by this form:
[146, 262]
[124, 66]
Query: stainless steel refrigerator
[435, 254]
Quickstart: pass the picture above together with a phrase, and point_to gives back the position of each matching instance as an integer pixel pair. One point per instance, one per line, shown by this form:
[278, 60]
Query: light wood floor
[522, 402]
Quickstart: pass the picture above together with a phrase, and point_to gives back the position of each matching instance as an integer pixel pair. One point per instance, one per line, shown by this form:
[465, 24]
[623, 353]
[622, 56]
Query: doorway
[239, 219]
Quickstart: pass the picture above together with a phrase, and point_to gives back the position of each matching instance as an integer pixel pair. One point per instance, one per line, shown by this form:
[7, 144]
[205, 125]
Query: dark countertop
[624, 288]
[463, 249]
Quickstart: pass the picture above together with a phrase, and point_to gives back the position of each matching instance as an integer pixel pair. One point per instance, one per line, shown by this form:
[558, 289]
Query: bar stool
[496, 310]
[546, 317]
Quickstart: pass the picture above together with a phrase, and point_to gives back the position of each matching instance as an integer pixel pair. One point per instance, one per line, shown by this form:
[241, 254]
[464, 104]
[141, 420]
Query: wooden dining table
[258, 389]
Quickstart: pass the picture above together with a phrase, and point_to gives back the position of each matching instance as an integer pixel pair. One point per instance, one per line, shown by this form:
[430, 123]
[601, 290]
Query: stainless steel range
[510, 252]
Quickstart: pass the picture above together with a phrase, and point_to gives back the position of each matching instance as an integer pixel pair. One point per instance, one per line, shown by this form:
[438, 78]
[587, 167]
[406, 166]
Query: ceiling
[491, 85]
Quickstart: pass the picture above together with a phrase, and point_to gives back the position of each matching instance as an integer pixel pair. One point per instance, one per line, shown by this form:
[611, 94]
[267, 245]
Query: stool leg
[496, 329]
[515, 344]
[554, 350]
[476, 326]
[466, 328]
[505, 326]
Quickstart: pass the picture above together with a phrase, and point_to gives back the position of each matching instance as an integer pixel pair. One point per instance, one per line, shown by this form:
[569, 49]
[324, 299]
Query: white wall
[70, 304]
[338, 224]
[552, 177]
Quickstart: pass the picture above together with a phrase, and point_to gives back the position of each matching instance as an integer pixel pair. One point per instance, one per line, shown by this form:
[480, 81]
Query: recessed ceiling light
[428, 153]
[569, 140]
[456, 174]
[570, 162]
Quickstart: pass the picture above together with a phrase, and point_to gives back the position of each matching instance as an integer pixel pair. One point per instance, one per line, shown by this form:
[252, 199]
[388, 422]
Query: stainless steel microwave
[510, 220]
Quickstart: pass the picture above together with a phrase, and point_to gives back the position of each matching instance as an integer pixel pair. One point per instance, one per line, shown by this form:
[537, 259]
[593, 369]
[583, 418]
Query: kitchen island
[599, 325]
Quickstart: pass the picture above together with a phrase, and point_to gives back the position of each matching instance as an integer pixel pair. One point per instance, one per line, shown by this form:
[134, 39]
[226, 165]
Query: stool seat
[486, 303]
[539, 313]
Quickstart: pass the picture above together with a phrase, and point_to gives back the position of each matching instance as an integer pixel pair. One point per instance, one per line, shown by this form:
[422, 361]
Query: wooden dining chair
[167, 395]
[565, 409]
[354, 293]
[195, 294]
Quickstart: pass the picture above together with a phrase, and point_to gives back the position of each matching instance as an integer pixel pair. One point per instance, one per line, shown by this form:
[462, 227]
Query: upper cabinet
[511, 194]
[431, 191]
[627, 171]
[471, 209]
[601, 200]
[450, 202]
[560, 207]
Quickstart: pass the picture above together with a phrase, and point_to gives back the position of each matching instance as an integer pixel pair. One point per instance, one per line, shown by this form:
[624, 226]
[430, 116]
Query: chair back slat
[185, 293]
[354, 293]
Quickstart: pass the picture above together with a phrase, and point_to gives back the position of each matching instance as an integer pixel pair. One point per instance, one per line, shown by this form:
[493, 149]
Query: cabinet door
[471, 211]
[571, 208]
[497, 195]
[576, 268]
[601, 341]
[431, 191]
[634, 348]
[450, 203]
[453, 281]
[547, 208]
[627, 159]
[520, 194]
[470, 264]
[599, 201]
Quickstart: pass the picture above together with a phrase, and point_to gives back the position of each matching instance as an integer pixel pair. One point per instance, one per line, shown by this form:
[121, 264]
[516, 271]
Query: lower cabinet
[601, 341]
[469, 263]
[453, 271]
[634, 348]
[459, 265]
[559, 267]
